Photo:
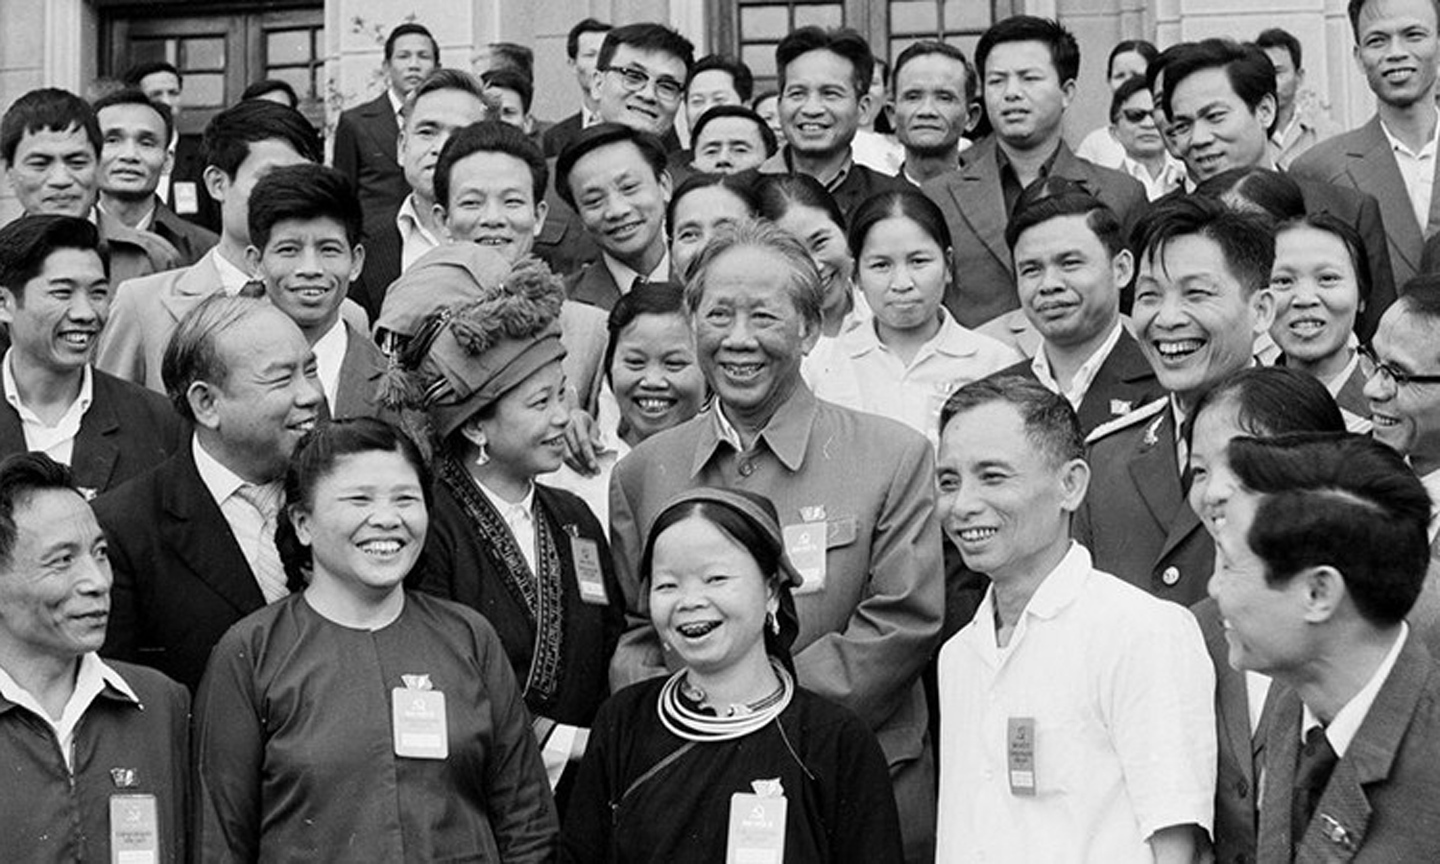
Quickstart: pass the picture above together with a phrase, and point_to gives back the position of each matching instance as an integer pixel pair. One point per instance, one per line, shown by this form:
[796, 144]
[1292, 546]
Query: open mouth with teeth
[490, 240]
[1383, 421]
[381, 548]
[742, 373]
[976, 535]
[1178, 350]
[653, 406]
[696, 629]
[1307, 327]
[80, 340]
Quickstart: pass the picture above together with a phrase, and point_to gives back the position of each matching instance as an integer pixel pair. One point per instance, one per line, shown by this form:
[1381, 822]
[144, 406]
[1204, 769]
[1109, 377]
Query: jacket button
[747, 468]
[1171, 576]
[1242, 788]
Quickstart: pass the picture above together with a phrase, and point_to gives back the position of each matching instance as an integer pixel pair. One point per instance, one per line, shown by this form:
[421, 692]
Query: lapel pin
[1119, 407]
[124, 778]
[1335, 832]
[1152, 431]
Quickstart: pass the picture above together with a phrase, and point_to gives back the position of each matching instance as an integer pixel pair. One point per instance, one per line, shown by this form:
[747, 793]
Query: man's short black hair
[1049, 420]
[1250, 72]
[47, 108]
[1355, 7]
[1276, 37]
[490, 136]
[1064, 50]
[1246, 240]
[21, 476]
[646, 37]
[513, 55]
[303, 192]
[841, 41]
[513, 80]
[135, 96]
[602, 135]
[740, 75]
[410, 28]
[28, 242]
[767, 135]
[271, 85]
[230, 133]
[926, 47]
[139, 72]
[1055, 197]
[1339, 500]
[583, 26]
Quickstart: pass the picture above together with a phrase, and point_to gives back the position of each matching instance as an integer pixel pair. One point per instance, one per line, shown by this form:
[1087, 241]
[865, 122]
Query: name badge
[134, 830]
[586, 555]
[757, 830]
[1020, 744]
[805, 547]
[187, 198]
[419, 720]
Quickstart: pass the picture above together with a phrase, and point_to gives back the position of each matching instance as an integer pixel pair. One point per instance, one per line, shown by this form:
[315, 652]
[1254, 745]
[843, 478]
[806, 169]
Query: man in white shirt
[94, 751]
[1077, 715]
[192, 542]
[1321, 553]
[1070, 267]
[242, 144]
[54, 298]
[1298, 127]
[614, 177]
[1392, 156]
[1402, 366]
[305, 246]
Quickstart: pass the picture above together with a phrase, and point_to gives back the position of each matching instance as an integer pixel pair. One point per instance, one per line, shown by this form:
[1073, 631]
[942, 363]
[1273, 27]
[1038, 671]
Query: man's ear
[1325, 590]
[8, 302]
[216, 182]
[203, 398]
[1265, 111]
[252, 258]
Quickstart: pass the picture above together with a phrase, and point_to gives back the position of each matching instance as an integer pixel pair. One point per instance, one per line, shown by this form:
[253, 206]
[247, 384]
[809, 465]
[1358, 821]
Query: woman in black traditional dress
[533, 560]
[728, 756]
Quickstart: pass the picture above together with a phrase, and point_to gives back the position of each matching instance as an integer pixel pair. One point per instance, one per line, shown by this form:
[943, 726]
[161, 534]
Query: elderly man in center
[852, 490]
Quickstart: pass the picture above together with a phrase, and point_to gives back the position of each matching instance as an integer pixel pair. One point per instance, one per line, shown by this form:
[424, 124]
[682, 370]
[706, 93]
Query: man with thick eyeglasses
[639, 82]
[1402, 372]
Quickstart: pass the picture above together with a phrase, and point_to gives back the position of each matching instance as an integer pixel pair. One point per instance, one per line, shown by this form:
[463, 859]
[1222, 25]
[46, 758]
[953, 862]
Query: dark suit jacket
[1382, 803]
[1123, 383]
[189, 169]
[859, 183]
[1361, 159]
[365, 152]
[594, 285]
[974, 206]
[181, 580]
[561, 133]
[383, 251]
[1134, 520]
[189, 239]
[360, 373]
[126, 431]
[1236, 785]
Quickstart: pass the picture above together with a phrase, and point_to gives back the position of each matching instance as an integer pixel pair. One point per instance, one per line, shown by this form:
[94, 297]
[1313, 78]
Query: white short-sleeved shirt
[1121, 691]
[867, 376]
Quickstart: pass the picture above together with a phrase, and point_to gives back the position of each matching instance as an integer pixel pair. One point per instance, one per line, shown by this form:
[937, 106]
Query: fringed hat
[496, 330]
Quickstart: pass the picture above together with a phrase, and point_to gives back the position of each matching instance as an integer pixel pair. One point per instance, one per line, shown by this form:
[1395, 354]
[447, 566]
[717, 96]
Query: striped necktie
[269, 572]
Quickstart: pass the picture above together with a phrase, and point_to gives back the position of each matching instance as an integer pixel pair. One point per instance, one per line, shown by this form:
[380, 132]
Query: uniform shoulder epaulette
[1139, 415]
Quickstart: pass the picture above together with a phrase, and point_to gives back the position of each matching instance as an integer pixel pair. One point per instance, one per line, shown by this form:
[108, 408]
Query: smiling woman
[488, 376]
[371, 708]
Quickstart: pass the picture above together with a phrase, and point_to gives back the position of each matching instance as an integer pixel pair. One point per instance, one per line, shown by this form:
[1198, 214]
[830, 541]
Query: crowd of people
[851, 472]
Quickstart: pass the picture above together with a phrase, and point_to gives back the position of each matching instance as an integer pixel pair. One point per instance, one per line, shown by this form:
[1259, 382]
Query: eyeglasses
[1371, 366]
[667, 89]
[1134, 115]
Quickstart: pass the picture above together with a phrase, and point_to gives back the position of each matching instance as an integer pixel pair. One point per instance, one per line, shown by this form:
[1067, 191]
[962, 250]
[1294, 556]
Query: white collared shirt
[90, 680]
[329, 353]
[1418, 172]
[1182, 447]
[145, 221]
[397, 105]
[1084, 376]
[415, 238]
[58, 441]
[1171, 177]
[625, 275]
[1347, 720]
[868, 376]
[247, 525]
[1120, 690]
[519, 517]
[1431, 482]
[232, 278]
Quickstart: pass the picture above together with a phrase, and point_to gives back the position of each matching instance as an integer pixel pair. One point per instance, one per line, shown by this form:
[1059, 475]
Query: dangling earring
[483, 457]
[772, 622]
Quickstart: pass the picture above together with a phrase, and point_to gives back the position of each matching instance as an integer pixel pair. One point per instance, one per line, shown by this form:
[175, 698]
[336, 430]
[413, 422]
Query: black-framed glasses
[1370, 366]
[1134, 115]
[634, 79]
